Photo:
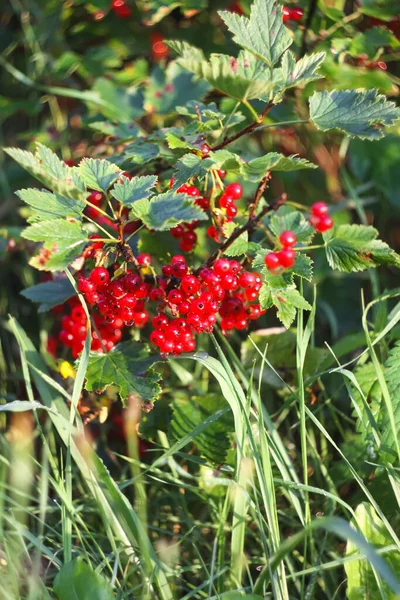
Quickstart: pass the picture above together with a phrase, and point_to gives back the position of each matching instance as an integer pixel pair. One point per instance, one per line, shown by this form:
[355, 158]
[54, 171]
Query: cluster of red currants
[276, 262]
[194, 302]
[120, 301]
[319, 218]
[121, 9]
[74, 330]
[292, 13]
[185, 231]
[231, 194]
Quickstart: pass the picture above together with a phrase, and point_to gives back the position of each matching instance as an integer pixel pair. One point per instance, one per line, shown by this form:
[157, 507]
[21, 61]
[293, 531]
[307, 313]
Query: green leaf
[46, 205]
[213, 442]
[141, 151]
[361, 579]
[303, 267]
[125, 367]
[98, 174]
[56, 231]
[22, 406]
[392, 376]
[300, 72]
[171, 86]
[188, 166]
[242, 78]
[241, 246]
[207, 116]
[263, 33]
[167, 210]
[287, 218]
[351, 248]
[273, 161]
[63, 242]
[370, 41]
[117, 103]
[122, 131]
[50, 170]
[50, 293]
[78, 581]
[361, 114]
[128, 191]
[280, 291]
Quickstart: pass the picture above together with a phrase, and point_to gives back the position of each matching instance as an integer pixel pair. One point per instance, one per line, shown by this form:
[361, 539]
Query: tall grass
[162, 528]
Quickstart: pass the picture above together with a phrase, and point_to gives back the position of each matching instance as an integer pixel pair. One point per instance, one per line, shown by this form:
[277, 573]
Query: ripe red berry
[235, 190]
[221, 173]
[288, 239]
[226, 201]
[160, 322]
[231, 211]
[272, 261]
[324, 224]
[179, 269]
[144, 259]
[222, 266]
[178, 231]
[175, 297]
[296, 13]
[319, 209]
[85, 286]
[132, 281]
[212, 233]
[205, 149]
[96, 198]
[166, 270]
[190, 284]
[191, 190]
[287, 257]
[99, 276]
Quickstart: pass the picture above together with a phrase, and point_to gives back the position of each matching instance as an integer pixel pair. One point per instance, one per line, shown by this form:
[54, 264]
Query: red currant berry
[247, 280]
[157, 337]
[231, 211]
[184, 307]
[178, 231]
[85, 286]
[132, 281]
[272, 261]
[226, 201]
[212, 233]
[179, 269]
[96, 198]
[193, 191]
[221, 173]
[288, 239]
[190, 285]
[287, 257]
[144, 259]
[296, 13]
[205, 149]
[235, 190]
[99, 276]
[175, 297]
[222, 266]
[324, 224]
[166, 270]
[319, 209]
[157, 294]
[234, 267]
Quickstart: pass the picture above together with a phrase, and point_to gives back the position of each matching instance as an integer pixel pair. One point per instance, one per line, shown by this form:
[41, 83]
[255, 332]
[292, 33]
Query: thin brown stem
[248, 129]
[260, 190]
[248, 226]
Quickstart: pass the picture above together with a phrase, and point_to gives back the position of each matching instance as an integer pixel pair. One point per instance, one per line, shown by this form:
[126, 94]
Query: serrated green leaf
[392, 376]
[303, 267]
[301, 71]
[47, 168]
[213, 442]
[351, 248]
[287, 300]
[188, 166]
[207, 116]
[50, 293]
[242, 78]
[46, 205]
[98, 174]
[125, 367]
[141, 151]
[241, 245]
[78, 581]
[128, 191]
[287, 218]
[56, 231]
[169, 209]
[63, 241]
[118, 103]
[273, 161]
[361, 114]
[263, 33]
[361, 578]
[370, 41]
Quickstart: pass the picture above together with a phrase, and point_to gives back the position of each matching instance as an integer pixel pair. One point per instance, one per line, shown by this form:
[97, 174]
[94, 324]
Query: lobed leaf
[358, 113]
[98, 174]
[166, 210]
[263, 33]
[128, 191]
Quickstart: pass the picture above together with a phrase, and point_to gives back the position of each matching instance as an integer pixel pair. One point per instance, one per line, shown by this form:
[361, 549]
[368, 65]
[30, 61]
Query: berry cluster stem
[248, 129]
[248, 226]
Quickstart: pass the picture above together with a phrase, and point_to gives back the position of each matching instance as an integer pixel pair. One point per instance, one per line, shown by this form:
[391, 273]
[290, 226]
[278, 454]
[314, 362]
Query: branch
[248, 226]
[260, 190]
[248, 129]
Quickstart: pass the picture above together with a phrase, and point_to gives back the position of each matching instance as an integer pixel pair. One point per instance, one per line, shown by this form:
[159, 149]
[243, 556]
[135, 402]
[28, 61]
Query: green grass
[271, 522]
